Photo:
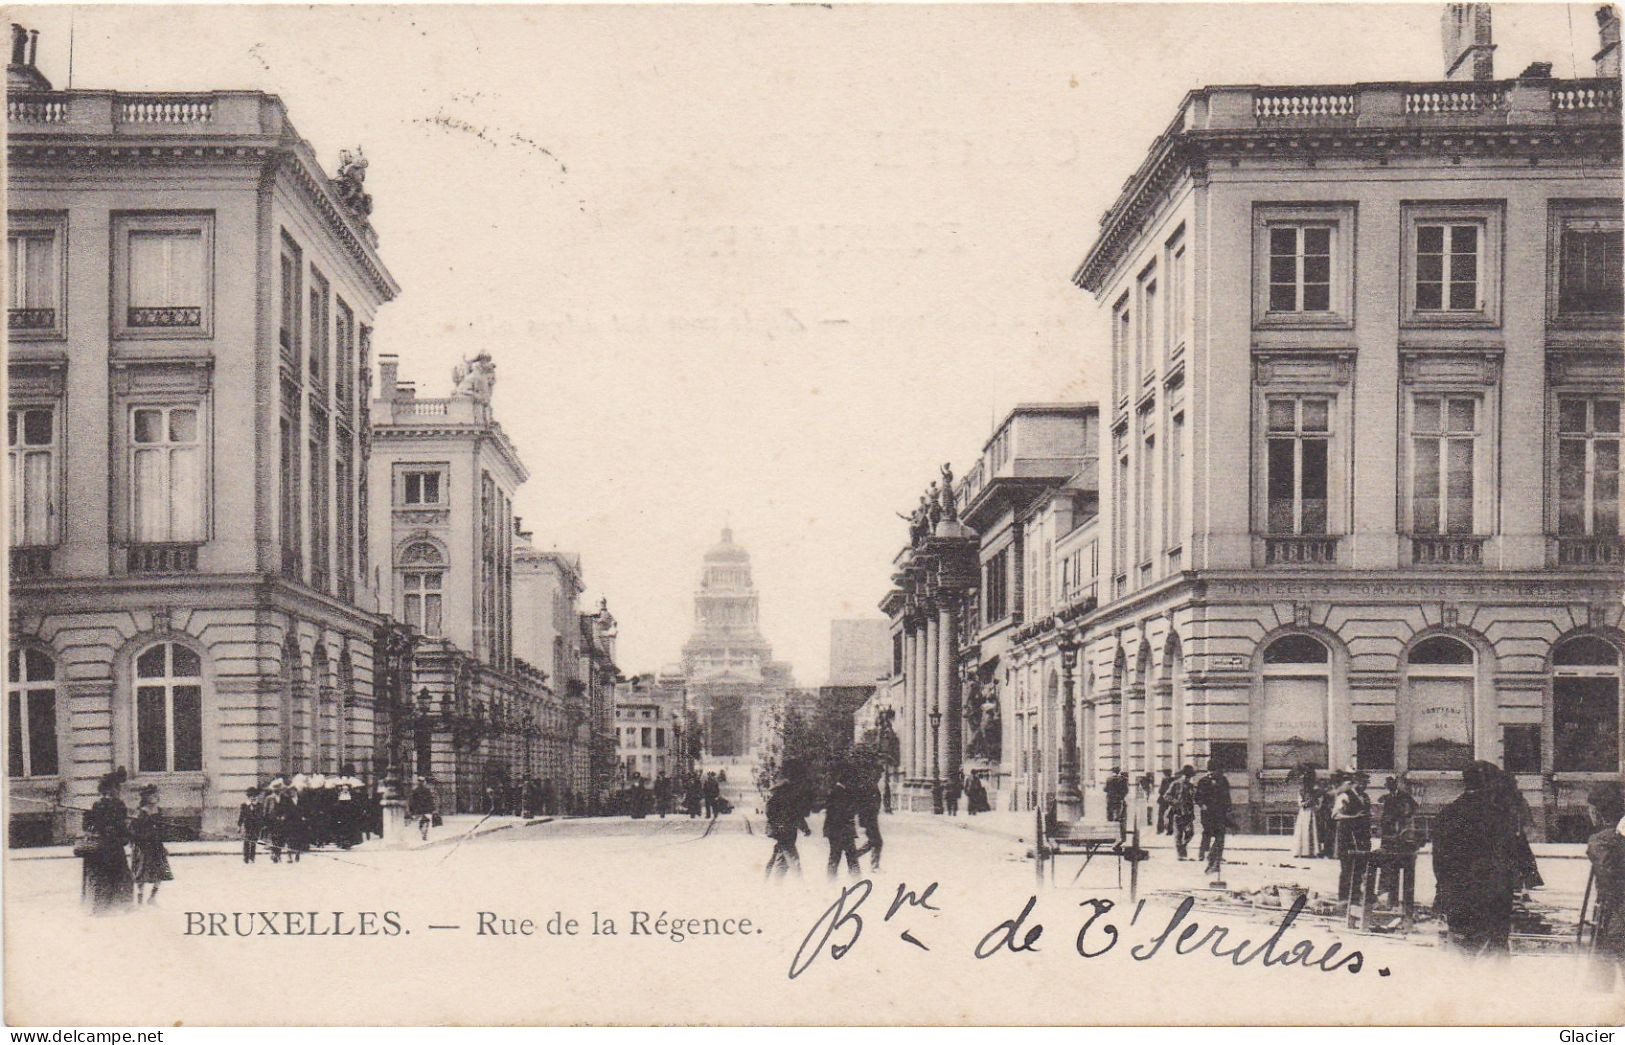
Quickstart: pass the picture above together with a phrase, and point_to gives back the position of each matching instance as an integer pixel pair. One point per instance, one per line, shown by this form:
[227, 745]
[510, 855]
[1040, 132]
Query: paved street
[681, 868]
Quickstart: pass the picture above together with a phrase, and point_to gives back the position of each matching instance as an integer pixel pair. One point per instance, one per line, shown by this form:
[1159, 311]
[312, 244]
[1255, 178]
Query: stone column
[906, 726]
[944, 702]
[931, 702]
[953, 699]
[1068, 798]
[922, 729]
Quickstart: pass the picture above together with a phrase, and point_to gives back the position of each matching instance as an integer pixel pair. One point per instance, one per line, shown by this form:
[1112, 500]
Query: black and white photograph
[774, 515]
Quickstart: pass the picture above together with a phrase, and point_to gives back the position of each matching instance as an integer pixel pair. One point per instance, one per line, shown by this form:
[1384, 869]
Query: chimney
[389, 369]
[1468, 52]
[21, 73]
[1607, 59]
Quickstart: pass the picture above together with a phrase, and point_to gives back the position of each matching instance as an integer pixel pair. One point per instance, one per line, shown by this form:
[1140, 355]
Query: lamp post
[1069, 800]
[935, 718]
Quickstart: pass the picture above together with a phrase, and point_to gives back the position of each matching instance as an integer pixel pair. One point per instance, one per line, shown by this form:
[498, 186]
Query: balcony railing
[1590, 551]
[1296, 104]
[1584, 96]
[30, 562]
[162, 558]
[1456, 99]
[166, 109]
[1447, 551]
[40, 108]
[166, 316]
[31, 318]
[1296, 550]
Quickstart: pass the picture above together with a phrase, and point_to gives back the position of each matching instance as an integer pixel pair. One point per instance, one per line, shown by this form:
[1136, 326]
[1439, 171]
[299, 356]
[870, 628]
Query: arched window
[422, 576]
[168, 709]
[1442, 679]
[1585, 707]
[32, 695]
[1297, 691]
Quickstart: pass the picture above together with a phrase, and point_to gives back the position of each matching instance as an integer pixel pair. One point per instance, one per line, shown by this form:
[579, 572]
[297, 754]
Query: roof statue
[475, 378]
[350, 183]
[950, 511]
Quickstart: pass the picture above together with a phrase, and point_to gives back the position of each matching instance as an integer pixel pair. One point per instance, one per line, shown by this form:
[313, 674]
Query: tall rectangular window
[31, 748]
[1144, 499]
[1297, 443]
[1149, 347]
[291, 503]
[1178, 288]
[1121, 347]
[343, 357]
[1176, 480]
[31, 447]
[1300, 267]
[344, 509]
[1589, 280]
[166, 278]
[320, 527]
[1448, 266]
[318, 333]
[1444, 453]
[166, 475]
[291, 314]
[1587, 466]
[421, 600]
[996, 587]
[33, 293]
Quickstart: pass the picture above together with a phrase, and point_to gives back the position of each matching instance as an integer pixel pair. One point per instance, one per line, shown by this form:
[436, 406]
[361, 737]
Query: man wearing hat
[1474, 867]
[1182, 809]
[1606, 851]
[248, 822]
[1351, 819]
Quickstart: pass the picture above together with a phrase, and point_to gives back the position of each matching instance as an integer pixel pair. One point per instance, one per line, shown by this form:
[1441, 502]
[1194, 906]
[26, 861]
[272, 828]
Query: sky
[764, 266]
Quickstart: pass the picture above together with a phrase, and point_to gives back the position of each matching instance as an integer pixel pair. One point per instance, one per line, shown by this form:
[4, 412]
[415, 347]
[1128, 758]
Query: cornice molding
[1192, 152]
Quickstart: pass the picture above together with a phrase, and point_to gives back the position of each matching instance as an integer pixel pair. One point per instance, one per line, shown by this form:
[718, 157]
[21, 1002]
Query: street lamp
[935, 718]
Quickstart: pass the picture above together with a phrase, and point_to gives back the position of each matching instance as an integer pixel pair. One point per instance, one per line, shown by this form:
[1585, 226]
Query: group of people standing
[852, 800]
[690, 793]
[110, 881]
[289, 816]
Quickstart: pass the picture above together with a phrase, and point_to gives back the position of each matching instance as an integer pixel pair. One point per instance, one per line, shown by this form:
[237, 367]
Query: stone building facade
[1396, 544]
[443, 476]
[191, 304]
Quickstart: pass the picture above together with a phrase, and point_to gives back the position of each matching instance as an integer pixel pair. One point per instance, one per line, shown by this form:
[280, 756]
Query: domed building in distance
[733, 681]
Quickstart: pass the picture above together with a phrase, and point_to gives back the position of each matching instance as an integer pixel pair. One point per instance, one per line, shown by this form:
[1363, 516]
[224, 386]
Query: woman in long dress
[106, 885]
[149, 861]
[1305, 837]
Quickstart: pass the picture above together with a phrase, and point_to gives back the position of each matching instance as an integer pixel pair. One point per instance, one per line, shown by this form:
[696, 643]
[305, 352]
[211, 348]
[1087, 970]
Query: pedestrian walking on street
[1182, 809]
[868, 809]
[1213, 795]
[1475, 871]
[840, 810]
[1606, 851]
[1515, 814]
[950, 797]
[248, 824]
[1324, 832]
[149, 860]
[1162, 801]
[1117, 798]
[420, 806]
[662, 794]
[786, 817]
[106, 885]
[713, 791]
